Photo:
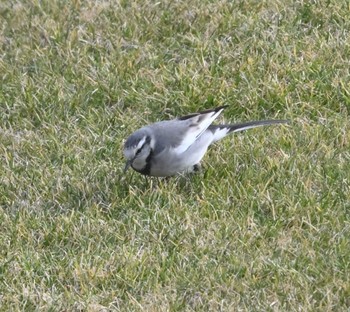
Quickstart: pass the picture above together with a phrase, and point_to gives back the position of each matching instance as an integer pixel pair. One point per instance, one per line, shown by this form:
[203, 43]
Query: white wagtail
[169, 147]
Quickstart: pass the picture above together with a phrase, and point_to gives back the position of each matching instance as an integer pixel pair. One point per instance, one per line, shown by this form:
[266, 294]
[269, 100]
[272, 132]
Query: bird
[171, 147]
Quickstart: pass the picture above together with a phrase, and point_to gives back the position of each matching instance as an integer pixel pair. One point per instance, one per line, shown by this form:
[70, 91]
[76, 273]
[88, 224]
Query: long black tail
[221, 131]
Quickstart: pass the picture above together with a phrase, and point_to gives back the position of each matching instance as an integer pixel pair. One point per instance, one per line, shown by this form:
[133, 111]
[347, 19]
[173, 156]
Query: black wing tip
[214, 110]
[207, 111]
[188, 116]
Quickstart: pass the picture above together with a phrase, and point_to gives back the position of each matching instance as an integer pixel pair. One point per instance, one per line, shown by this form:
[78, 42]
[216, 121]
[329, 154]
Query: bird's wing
[194, 125]
[179, 134]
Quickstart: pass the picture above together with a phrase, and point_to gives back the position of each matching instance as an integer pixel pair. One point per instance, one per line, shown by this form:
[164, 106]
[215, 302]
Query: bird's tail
[220, 131]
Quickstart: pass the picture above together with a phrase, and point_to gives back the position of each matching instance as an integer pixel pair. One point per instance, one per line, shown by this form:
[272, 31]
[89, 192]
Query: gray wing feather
[183, 132]
[167, 134]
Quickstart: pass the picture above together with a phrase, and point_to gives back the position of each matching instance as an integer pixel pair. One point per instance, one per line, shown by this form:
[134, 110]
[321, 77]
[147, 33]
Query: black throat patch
[146, 170]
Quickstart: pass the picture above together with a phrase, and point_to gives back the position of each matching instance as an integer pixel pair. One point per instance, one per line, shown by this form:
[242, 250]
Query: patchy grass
[266, 225]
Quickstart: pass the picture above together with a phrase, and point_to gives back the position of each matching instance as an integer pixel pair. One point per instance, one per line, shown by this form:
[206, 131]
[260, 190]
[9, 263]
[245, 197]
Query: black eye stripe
[147, 141]
[139, 150]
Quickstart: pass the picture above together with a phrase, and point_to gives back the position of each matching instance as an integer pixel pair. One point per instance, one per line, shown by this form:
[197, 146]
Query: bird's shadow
[182, 183]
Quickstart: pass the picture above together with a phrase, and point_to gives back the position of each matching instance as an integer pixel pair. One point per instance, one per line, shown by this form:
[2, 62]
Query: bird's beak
[127, 165]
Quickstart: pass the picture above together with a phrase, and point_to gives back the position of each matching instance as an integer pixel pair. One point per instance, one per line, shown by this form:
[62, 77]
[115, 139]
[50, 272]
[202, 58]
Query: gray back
[168, 133]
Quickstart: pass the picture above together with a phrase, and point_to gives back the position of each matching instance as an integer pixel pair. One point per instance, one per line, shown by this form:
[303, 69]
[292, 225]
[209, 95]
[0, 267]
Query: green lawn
[265, 226]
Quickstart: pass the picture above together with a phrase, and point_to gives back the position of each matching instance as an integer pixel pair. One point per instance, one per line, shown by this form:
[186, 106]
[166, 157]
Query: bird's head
[137, 150]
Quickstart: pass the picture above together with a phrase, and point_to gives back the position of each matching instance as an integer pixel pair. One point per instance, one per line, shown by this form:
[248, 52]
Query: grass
[264, 227]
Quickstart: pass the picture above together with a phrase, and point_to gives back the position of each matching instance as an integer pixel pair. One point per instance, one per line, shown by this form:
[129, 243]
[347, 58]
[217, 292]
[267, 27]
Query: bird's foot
[197, 167]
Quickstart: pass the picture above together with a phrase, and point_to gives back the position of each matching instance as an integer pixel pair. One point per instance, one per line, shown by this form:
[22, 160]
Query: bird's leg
[197, 167]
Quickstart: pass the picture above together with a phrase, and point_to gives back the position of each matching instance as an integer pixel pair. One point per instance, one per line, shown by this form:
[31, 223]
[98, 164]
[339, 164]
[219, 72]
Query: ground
[265, 224]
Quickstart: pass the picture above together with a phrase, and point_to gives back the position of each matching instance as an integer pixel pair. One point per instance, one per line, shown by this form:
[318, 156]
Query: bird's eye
[138, 151]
